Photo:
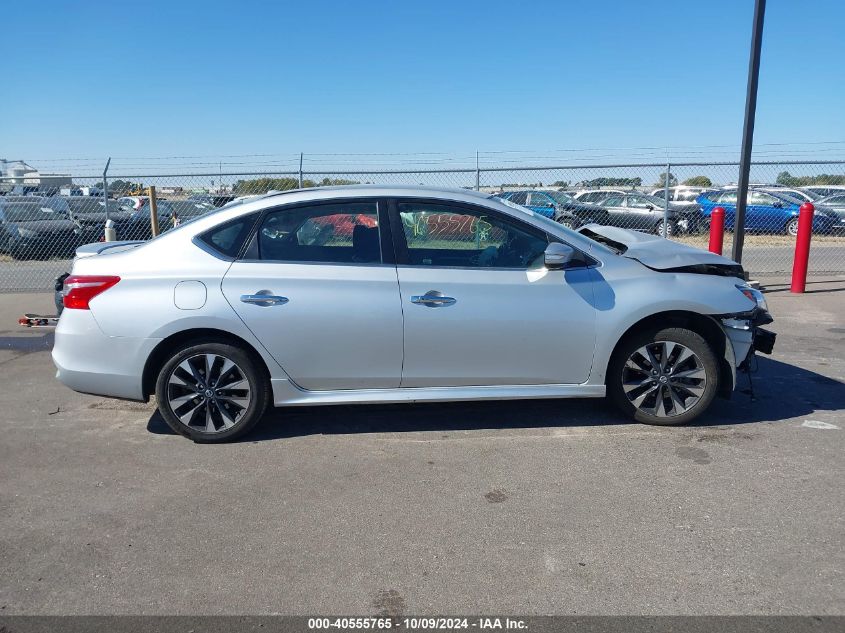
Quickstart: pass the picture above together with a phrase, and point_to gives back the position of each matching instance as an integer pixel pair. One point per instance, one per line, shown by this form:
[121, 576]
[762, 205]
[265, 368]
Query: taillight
[80, 289]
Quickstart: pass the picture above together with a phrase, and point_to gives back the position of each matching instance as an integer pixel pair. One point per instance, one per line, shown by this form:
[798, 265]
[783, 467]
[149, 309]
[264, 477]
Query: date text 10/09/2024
[413, 623]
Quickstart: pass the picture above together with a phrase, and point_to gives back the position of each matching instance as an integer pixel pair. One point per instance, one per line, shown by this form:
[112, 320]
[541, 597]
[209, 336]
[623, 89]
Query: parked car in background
[798, 194]
[214, 199]
[559, 207]
[35, 229]
[641, 212]
[170, 214]
[835, 206]
[681, 195]
[133, 202]
[240, 309]
[765, 211]
[825, 190]
[90, 214]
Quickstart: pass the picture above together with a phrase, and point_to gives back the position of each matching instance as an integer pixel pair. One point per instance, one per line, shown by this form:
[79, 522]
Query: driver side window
[443, 235]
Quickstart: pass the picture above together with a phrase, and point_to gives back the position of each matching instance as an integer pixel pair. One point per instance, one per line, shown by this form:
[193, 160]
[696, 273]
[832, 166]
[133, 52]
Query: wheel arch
[702, 324]
[161, 352]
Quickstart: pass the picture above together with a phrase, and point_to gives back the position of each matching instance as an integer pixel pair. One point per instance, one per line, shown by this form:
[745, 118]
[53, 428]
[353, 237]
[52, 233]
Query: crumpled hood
[661, 254]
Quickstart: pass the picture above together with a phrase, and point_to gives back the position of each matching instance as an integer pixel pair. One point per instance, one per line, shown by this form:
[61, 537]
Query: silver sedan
[366, 294]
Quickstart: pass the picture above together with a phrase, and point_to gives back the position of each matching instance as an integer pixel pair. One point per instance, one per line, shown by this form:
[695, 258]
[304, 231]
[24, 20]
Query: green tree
[123, 186]
[661, 180]
[560, 183]
[612, 182]
[698, 181]
[788, 180]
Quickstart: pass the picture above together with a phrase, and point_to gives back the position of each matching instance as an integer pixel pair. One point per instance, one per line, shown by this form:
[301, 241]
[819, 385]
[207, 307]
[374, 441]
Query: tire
[791, 227]
[233, 411]
[670, 229]
[570, 223]
[630, 380]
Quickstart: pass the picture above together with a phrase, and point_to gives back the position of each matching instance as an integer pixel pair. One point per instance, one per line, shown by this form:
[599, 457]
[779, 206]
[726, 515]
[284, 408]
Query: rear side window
[520, 197]
[327, 233]
[227, 239]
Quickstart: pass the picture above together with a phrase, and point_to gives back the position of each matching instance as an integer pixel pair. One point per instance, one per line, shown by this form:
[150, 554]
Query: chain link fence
[42, 224]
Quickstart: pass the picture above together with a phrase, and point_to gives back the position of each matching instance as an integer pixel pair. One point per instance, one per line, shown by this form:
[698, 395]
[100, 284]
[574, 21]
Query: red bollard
[717, 230]
[802, 247]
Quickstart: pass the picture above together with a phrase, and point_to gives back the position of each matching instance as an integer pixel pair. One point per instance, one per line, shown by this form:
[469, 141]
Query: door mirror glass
[558, 256]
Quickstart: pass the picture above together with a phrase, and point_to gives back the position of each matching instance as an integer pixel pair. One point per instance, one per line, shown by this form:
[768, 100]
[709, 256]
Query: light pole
[748, 129]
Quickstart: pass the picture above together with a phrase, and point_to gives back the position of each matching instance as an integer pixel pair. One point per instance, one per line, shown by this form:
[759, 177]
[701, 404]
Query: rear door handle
[264, 299]
[433, 299]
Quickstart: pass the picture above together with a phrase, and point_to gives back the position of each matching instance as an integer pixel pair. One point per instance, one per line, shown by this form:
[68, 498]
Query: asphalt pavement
[537, 507]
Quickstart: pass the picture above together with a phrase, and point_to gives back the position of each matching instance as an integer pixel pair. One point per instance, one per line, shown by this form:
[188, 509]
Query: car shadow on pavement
[782, 392]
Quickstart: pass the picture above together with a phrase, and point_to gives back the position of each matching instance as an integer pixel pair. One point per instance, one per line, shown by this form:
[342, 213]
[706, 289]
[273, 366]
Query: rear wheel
[212, 392]
[792, 227]
[665, 377]
[670, 228]
[570, 223]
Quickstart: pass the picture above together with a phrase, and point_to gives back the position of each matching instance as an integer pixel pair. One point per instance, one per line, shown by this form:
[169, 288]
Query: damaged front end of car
[745, 333]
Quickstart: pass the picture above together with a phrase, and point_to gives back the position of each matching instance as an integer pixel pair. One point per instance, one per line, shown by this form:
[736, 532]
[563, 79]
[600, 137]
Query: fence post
[717, 230]
[477, 174]
[300, 170]
[666, 202]
[153, 211]
[802, 248]
[106, 188]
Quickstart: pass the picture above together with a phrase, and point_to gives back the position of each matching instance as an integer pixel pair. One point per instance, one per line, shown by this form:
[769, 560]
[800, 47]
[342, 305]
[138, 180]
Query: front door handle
[433, 299]
[261, 299]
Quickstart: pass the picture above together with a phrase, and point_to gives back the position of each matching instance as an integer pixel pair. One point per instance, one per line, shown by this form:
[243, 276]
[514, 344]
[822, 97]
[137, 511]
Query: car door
[764, 212]
[643, 214]
[479, 306]
[319, 290]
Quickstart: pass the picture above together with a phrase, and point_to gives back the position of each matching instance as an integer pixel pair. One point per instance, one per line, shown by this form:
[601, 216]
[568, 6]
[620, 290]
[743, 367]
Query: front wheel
[212, 392]
[664, 377]
[792, 227]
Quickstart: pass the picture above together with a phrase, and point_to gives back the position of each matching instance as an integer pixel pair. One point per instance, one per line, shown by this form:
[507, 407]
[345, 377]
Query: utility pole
[748, 129]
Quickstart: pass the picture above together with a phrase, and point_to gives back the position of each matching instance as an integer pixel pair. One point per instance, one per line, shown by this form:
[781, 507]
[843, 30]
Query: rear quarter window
[228, 238]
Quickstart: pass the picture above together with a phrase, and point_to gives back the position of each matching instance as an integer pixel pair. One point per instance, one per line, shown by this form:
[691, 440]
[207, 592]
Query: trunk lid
[99, 248]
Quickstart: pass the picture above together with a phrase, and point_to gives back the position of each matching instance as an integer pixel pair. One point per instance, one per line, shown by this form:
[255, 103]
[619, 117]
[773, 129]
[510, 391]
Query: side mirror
[777, 204]
[557, 256]
[550, 205]
[650, 207]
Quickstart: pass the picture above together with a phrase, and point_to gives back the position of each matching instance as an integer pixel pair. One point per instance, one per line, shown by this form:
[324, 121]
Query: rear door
[616, 209]
[319, 289]
[479, 306]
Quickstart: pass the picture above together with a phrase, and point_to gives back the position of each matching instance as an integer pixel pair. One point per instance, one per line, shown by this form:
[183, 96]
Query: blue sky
[185, 78]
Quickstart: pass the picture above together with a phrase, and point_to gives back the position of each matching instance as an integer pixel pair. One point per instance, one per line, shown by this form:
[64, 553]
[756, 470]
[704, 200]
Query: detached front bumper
[746, 334]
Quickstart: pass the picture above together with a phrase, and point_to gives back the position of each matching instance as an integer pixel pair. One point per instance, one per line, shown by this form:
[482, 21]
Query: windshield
[561, 198]
[554, 227]
[28, 212]
[88, 205]
[786, 198]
